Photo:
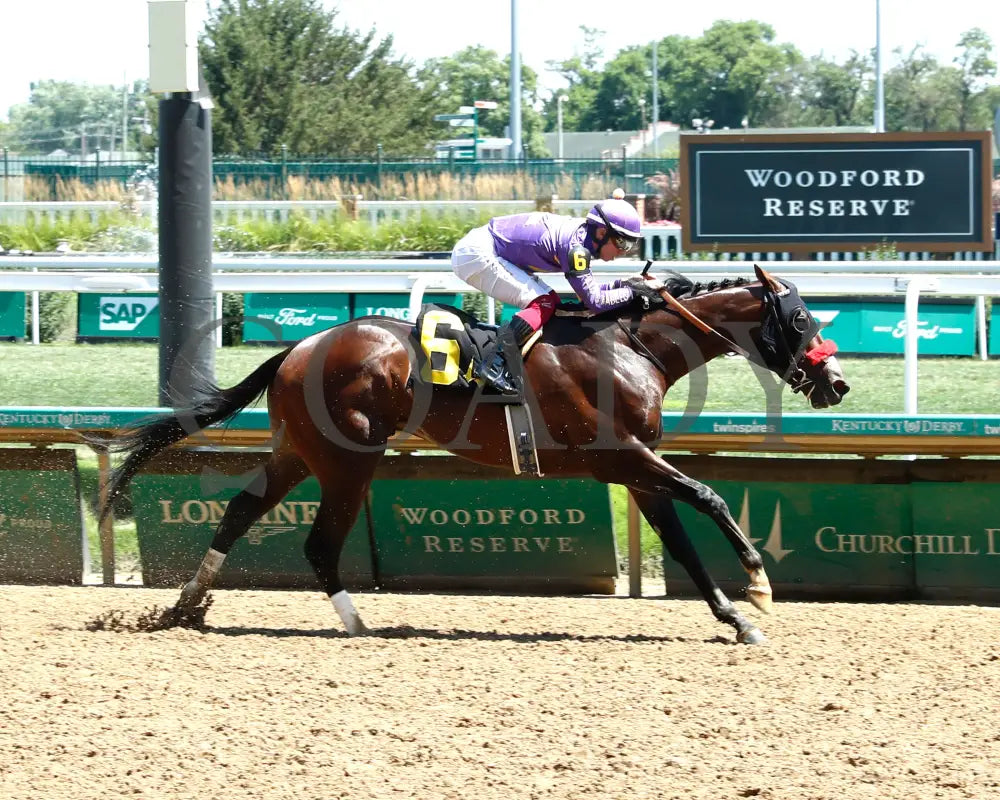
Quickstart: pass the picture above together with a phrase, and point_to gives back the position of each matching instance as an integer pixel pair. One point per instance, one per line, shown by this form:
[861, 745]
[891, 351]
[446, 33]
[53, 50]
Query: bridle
[776, 353]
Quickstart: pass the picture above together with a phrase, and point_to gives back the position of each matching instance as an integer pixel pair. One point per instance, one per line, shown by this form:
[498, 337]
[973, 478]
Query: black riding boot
[494, 370]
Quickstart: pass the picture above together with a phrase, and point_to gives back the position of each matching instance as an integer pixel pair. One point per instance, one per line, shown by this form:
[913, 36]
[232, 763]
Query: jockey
[502, 257]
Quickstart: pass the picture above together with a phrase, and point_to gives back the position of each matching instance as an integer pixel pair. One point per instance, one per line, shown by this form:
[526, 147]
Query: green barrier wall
[956, 537]
[994, 337]
[396, 305]
[879, 327]
[885, 530]
[12, 315]
[296, 315]
[462, 533]
[41, 522]
[180, 498]
[118, 316]
[545, 534]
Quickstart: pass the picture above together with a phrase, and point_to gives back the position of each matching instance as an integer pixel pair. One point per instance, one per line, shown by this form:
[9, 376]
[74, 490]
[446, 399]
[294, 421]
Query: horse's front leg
[659, 511]
[639, 469]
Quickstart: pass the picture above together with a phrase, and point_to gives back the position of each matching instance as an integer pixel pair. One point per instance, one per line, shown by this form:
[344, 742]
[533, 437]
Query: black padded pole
[187, 302]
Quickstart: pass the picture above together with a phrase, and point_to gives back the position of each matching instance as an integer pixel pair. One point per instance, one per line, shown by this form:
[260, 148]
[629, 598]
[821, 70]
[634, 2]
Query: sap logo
[119, 314]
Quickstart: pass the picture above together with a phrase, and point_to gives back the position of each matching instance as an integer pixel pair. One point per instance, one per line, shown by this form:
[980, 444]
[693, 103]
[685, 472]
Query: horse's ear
[765, 278]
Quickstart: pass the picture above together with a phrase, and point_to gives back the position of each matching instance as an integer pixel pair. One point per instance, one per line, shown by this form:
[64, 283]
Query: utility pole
[879, 87]
[515, 85]
[656, 100]
[124, 113]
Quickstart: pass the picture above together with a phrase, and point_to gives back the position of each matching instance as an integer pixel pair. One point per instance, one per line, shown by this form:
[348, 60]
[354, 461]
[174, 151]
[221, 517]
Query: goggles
[626, 244]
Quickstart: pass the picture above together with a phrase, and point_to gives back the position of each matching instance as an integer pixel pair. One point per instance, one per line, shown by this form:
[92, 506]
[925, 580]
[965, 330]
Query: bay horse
[595, 387]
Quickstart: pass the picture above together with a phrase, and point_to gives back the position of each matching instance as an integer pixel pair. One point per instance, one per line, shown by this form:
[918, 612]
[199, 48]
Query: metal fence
[269, 177]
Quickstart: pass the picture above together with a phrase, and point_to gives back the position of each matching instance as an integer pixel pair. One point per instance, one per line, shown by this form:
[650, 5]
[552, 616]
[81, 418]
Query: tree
[974, 64]
[74, 117]
[920, 94]
[583, 79]
[282, 73]
[833, 93]
[733, 71]
[478, 73]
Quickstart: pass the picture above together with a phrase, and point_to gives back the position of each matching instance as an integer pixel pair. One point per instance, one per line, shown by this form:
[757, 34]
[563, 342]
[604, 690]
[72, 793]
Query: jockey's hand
[645, 287]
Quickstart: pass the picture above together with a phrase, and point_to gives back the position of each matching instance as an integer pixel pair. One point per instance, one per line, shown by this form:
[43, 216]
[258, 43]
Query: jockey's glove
[646, 290]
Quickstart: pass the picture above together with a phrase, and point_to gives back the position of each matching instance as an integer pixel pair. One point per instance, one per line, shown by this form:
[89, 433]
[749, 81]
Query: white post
[913, 289]
[35, 312]
[417, 295]
[981, 328]
[218, 319]
[491, 310]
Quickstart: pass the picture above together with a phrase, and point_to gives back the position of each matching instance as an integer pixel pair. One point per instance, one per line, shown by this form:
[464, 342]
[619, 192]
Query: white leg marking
[195, 588]
[347, 612]
[759, 591]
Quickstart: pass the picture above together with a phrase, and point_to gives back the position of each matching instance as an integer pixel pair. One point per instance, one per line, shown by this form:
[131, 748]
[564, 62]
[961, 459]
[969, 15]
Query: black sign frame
[717, 191]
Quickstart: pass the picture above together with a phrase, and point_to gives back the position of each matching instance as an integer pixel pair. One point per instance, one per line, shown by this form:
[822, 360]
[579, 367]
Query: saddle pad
[447, 342]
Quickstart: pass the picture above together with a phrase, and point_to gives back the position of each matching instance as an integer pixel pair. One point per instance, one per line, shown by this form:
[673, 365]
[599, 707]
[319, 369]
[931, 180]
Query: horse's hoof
[191, 596]
[761, 598]
[751, 636]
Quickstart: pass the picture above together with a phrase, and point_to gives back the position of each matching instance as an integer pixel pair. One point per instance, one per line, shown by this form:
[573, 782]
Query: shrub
[56, 316]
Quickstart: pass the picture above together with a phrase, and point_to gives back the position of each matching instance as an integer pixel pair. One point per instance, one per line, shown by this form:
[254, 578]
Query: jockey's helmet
[620, 221]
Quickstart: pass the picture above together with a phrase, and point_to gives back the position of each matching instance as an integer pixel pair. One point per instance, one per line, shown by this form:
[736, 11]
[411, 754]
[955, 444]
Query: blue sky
[100, 41]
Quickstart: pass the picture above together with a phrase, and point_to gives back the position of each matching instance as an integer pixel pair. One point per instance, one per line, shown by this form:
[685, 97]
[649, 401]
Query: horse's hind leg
[343, 492]
[283, 471]
[659, 511]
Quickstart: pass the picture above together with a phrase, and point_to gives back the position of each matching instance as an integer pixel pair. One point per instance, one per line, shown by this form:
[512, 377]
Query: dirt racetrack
[494, 697]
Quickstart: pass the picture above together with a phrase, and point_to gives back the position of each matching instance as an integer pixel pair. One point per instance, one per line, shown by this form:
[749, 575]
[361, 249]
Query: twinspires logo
[125, 314]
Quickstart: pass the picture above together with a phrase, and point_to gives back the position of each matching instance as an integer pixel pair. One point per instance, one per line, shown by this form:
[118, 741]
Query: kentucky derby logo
[773, 545]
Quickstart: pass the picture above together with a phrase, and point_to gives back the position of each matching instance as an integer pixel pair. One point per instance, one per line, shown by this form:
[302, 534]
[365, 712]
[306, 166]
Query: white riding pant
[475, 261]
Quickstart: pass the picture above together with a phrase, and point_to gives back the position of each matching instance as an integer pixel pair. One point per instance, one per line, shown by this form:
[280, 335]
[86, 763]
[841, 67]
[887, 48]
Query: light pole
[559, 101]
[642, 113]
[879, 88]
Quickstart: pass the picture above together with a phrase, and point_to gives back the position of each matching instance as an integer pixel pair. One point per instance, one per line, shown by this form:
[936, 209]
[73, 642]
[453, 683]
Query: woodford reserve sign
[813, 192]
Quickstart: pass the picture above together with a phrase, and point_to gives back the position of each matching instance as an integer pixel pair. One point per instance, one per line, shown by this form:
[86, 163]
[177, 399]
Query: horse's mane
[680, 287]
[676, 285]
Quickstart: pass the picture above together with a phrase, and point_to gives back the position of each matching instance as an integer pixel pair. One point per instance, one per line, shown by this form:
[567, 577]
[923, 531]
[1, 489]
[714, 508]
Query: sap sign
[119, 316]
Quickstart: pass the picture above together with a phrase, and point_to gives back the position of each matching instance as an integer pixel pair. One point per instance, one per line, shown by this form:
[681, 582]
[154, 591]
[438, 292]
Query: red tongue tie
[821, 353]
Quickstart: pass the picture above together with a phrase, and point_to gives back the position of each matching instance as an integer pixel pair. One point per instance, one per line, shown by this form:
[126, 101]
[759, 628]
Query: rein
[642, 350]
[700, 324]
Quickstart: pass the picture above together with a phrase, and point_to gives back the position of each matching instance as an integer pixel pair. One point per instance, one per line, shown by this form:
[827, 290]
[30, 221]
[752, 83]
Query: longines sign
[915, 191]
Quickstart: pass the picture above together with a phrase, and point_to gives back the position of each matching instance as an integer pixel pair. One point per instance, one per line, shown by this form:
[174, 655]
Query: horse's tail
[142, 441]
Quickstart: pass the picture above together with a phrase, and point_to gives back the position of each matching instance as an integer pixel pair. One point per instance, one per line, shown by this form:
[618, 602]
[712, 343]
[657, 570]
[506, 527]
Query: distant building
[491, 148]
[640, 144]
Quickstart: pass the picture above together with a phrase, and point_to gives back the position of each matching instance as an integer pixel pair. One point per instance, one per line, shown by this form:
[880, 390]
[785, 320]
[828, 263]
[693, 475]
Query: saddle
[449, 342]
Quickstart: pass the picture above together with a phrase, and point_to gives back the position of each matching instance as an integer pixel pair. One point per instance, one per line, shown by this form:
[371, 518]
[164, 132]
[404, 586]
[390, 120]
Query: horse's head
[789, 343]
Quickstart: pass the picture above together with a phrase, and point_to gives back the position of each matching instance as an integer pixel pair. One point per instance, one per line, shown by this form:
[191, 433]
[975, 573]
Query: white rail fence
[418, 277]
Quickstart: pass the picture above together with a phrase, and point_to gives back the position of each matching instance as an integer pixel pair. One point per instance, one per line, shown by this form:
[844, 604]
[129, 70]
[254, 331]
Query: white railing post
[417, 295]
[218, 319]
[35, 315]
[910, 340]
[984, 348]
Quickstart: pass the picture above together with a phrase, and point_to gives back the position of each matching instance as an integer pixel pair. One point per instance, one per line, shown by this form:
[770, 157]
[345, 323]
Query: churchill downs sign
[915, 191]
